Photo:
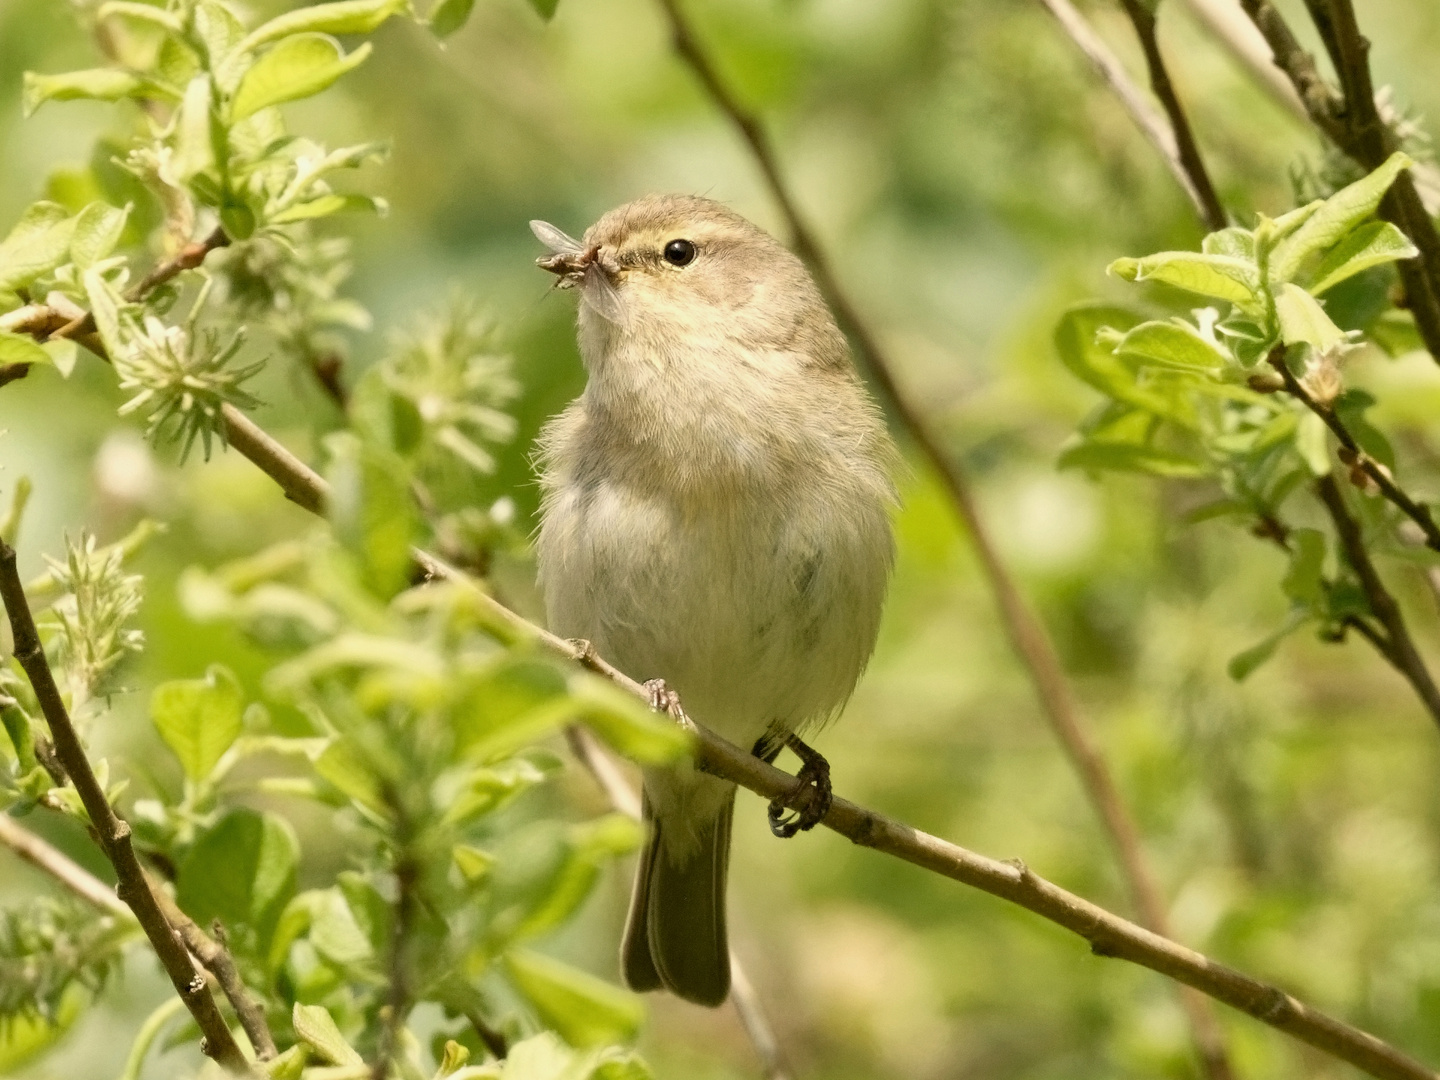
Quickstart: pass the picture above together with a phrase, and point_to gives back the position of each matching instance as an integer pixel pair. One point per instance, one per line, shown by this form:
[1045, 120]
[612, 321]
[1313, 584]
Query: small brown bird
[717, 515]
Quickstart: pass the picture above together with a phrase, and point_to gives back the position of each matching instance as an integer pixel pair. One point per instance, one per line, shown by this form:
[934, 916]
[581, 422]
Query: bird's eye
[679, 252]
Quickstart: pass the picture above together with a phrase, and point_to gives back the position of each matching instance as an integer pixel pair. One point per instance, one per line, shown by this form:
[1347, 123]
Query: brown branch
[1355, 456]
[1151, 124]
[1402, 652]
[1352, 121]
[624, 798]
[62, 868]
[1108, 934]
[216, 959]
[111, 830]
[1142, 17]
[1027, 635]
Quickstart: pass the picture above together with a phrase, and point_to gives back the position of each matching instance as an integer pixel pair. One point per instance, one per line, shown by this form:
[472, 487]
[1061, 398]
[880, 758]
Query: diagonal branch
[1108, 934]
[111, 830]
[1190, 175]
[1027, 635]
[62, 868]
[1401, 651]
[1356, 457]
[1142, 17]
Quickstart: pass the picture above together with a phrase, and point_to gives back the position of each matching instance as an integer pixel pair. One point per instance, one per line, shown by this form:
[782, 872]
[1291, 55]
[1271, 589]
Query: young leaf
[330, 204]
[241, 871]
[1303, 582]
[447, 16]
[199, 719]
[1339, 214]
[1232, 242]
[1350, 407]
[19, 349]
[1303, 319]
[194, 147]
[545, 8]
[297, 68]
[157, 16]
[344, 17]
[39, 242]
[97, 230]
[373, 511]
[1130, 457]
[632, 728]
[104, 84]
[1221, 276]
[1372, 244]
[1312, 440]
[1175, 344]
[1244, 663]
[316, 1028]
[583, 1010]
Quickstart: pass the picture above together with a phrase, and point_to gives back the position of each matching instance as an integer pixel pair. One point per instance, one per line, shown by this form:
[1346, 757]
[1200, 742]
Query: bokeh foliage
[972, 182]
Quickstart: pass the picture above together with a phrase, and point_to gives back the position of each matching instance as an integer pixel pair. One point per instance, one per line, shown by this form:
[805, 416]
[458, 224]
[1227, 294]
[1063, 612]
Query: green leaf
[241, 871]
[19, 349]
[1339, 214]
[330, 204]
[1350, 407]
[447, 16]
[1232, 242]
[345, 17]
[39, 242]
[1312, 440]
[473, 863]
[1131, 457]
[500, 697]
[315, 1027]
[97, 230]
[373, 511]
[583, 1010]
[1302, 319]
[199, 719]
[343, 766]
[545, 8]
[1372, 244]
[555, 897]
[194, 141]
[150, 13]
[1244, 663]
[298, 67]
[1303, 581]
[1221, 276]
[1174, 344]
[335, 933]
[103, 84]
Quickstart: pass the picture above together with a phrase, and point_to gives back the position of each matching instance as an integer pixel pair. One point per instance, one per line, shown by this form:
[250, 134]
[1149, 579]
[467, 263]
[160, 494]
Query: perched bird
[716, 515]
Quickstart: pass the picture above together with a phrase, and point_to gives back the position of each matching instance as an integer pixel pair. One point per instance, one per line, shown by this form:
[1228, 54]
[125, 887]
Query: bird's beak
[567, 264]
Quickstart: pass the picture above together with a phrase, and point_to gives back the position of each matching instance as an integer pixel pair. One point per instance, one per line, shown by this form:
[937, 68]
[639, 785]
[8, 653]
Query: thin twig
[1151, 124]
[1402, 652]
[216, 959]
[624, 798]
[1356, 457]
[1027, 635]
[1228, 24]
[1108, 934]
[1142, 17]
[110, 829]
[62, 868]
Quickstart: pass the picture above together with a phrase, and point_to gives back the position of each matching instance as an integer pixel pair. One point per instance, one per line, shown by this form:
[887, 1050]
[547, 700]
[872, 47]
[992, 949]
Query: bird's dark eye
[679, 252]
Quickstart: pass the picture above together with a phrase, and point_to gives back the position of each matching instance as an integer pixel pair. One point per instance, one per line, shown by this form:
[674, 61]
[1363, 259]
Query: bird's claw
[663, 699]
[808, 803]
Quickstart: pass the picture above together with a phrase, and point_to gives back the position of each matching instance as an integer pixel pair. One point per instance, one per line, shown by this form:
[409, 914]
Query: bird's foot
[663, 699]
[809, 802]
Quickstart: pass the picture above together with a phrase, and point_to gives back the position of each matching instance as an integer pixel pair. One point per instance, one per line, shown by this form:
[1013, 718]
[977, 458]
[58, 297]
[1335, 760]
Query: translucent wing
[600, 294]
[554, 239]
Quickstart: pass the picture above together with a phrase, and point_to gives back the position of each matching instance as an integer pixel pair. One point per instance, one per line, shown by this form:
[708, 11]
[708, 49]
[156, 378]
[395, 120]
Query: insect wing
[554, 239]
[600, 294]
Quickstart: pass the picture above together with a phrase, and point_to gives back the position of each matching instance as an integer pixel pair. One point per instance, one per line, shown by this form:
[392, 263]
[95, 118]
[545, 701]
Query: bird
[715, 517]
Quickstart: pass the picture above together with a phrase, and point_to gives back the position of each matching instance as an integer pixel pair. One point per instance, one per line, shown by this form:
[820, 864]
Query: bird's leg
[812, 796]
[663, 699]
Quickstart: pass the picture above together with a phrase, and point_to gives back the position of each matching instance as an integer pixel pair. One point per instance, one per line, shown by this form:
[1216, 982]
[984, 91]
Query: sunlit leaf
[199, 719]
[97, 230]
[1339, 214]
[1221, 276]
[344, 17]
[373, 511]
[629, 725]
[583, 1010]
[39, 242]
[156, 16]
[1128, 457]
[1372, 244]
[103, 84]
[330, 204]
[1234, 243]
[296, 68]
[315, 1027]
[194, 144]
[1312, 440]
[19, 349]
[1302, 319]
[1174, 344]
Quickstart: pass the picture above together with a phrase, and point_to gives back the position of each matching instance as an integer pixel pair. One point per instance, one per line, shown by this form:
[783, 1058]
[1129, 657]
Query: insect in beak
[576, 265]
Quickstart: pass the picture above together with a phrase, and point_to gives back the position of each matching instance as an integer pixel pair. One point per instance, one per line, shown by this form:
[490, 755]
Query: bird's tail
[675, 935]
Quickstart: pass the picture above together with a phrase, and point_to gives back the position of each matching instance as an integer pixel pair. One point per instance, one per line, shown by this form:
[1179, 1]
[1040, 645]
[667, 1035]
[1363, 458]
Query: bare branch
[62, 868]
[1227, 22]
[1401, 651]
[1027, 635]
[110, 829]
[1356, 457]
[1142, 17]
[1151, 124]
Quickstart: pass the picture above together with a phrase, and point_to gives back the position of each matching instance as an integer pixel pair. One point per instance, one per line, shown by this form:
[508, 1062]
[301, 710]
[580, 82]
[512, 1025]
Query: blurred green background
[969, 177]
